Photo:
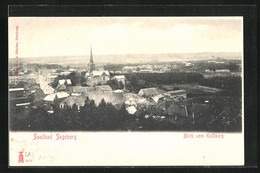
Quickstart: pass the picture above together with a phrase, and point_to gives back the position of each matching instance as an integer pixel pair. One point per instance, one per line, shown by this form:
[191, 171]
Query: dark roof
[38, 96]
[61, 87]
[33, 86]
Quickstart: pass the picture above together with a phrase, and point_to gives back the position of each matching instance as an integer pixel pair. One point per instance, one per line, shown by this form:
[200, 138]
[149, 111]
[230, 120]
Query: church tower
[91, 63]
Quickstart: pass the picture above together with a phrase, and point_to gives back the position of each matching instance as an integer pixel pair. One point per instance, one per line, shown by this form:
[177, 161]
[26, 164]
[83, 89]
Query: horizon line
[127, 54]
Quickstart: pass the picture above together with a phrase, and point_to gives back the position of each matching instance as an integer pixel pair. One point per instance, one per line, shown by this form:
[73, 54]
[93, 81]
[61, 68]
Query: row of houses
[170, 103]
[76, 94]
[94, 78]
[68, 95]
[154, 99]
[41, 98]
[97, 78]
[150, 99]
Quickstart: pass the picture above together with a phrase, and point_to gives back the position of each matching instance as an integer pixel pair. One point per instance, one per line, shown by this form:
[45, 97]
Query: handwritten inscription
[29, 151]
[29, 156]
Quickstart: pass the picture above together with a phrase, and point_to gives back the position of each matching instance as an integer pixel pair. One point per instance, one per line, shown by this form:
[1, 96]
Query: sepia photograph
[126, 91]
[125, 74]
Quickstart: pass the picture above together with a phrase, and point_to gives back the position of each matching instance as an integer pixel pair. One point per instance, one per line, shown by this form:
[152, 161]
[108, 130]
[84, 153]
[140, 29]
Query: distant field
[210, 75]
[191, 88]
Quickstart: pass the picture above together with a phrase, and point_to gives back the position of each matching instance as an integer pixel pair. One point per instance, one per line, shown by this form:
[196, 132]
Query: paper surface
[67, 41]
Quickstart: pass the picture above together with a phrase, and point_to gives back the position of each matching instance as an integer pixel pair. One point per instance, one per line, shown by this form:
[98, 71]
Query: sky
[65, 36]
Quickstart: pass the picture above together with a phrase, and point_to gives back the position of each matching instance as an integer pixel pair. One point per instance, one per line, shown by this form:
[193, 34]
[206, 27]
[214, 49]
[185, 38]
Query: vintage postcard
[126, 91]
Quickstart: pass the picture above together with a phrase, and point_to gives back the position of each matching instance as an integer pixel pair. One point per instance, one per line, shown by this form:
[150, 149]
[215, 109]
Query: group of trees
[134, 84]
[222, 114]
[137, 81]
[113, 67]
[212, 66]
[231, 84]
[165, 78]
[90, 117]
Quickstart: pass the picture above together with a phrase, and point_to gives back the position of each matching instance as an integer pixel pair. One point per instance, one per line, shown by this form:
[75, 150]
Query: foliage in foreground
[105, 117]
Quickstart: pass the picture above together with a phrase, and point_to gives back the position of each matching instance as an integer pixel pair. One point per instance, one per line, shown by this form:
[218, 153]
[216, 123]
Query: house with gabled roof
[148, 92]
[103, 88]
[158, 97]
[71, 100]
[58, 95]
[98, 78]
[100, 73]
[109, 97]
[177, 94]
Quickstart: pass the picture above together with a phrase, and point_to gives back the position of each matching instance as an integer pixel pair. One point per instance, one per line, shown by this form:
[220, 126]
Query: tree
[83, 73]
[56, 105]
[102, 106]
[75, 78]
[113, 67]
[233, 67]
[114, 84]
[123, 114]
[120, 85]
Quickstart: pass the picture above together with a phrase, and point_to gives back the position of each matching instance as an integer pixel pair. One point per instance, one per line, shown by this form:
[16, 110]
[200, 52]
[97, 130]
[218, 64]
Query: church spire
[91, 63]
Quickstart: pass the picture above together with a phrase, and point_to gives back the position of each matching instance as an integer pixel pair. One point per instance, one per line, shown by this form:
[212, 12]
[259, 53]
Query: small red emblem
[20, 160]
